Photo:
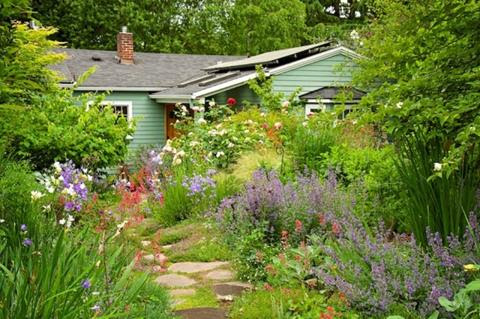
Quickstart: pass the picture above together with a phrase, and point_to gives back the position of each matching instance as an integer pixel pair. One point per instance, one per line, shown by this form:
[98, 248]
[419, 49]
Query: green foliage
[41, 122]
[271, 100]
[45, 278]
[313, 141]
[219, 141]
[59, 130]
[252, 254]
[465, 302]
[24, 73]
[251, 32]
[422, 71]
[440, 204]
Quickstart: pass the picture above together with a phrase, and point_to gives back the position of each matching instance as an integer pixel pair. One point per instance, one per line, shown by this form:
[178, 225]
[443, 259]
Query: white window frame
[321, 105]
[129, 105]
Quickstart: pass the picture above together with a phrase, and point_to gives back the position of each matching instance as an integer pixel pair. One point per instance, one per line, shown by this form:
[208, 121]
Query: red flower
[231, 101]
[336, 228]
[298, 226]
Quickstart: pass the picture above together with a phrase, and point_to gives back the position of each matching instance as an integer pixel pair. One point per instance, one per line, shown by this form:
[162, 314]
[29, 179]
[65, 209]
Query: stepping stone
[174, 281]
[226, 292]
[202, 313]
[193, 267]
[146, 243]
[182, 292]
[148, 259]
[220, 274]
[166, 247]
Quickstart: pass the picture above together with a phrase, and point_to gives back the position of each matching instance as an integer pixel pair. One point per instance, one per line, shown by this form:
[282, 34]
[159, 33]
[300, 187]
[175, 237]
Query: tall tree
[257, 26]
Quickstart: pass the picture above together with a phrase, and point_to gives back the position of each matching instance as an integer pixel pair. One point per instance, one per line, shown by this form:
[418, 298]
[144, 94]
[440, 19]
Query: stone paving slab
[227, 292]
[174, 281]
[181, 292]
[220, 274]
[202, 313]
[194, 267]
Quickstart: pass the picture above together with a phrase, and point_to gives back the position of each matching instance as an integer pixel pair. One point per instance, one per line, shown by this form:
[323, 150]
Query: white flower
[194, 143]
[177, 161]
[51, 189]
[263, 114]
[57, 167]
[202, 121]
[47, 208]
[399, 105]
[2, 221]
[62, 221]
[285, 104]
[354, 35]
[209, 154]
[219, 154]
[95, 293]
[249, 122]
[122, 224]
[167, 148]
[181, 154]
[36, 195]
[305, 124]
[278, 125]
[211, 103]
[184, 109]
[70, 220]
[230, 145]
[437, 167]
[195, 108]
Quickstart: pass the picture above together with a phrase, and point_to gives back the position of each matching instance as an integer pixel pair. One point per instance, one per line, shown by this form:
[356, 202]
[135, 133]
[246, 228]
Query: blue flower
[86, 284]
[27, 242]
[23, 227]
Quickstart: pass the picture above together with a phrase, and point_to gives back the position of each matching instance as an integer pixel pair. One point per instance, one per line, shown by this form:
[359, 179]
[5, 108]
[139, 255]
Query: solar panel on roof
[269, 57]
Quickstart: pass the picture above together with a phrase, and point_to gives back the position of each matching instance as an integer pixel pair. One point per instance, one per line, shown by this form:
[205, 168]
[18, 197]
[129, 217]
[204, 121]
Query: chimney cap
[124, 29]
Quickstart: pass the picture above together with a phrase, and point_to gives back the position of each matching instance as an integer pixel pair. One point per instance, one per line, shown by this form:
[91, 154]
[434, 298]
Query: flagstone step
[175, 281]
[194, 267]
[202, 313]
[220, 274]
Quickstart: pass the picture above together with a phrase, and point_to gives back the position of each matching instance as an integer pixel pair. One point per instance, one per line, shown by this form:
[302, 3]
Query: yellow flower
[470, 267]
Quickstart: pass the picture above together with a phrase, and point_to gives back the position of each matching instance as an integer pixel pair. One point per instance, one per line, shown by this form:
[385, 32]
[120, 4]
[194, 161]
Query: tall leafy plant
[438, 204]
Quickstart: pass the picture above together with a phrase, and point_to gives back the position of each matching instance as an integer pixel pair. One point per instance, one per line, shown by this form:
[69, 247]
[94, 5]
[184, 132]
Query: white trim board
[114, 88]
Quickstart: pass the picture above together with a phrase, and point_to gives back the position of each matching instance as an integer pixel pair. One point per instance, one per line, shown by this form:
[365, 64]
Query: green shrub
[49, 271]
[370, 174]
[439, 203]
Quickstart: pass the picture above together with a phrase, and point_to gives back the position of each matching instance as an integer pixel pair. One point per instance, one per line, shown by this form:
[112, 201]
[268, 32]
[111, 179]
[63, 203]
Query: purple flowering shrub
[269, 215]
[71, 185]
[274, 207]
[379, 270]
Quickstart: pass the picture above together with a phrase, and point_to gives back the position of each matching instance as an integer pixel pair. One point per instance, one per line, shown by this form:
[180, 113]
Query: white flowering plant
[212, 137]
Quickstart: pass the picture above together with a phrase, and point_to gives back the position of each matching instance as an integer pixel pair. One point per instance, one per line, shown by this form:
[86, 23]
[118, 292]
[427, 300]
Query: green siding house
[147, 86]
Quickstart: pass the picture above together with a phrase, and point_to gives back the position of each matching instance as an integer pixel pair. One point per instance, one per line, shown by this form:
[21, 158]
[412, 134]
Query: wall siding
[315, 75]
[241, 94]
[150, 117]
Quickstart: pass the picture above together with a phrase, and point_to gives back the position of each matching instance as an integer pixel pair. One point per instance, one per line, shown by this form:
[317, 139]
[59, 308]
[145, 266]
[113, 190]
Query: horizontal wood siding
[241, 94]
[150, 118]
[331, 71]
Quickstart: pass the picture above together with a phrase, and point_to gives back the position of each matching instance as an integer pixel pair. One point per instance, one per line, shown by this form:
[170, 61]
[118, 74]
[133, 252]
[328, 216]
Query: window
[315, 106]
[122, 108]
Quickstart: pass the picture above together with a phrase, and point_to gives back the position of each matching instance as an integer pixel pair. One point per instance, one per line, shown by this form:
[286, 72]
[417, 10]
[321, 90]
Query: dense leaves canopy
[423, 70]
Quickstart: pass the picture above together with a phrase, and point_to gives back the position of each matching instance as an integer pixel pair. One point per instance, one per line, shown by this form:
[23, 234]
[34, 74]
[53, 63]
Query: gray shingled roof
[330, 92]
[150, 70]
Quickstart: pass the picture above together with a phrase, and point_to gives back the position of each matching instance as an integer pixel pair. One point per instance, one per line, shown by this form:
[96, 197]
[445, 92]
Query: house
[147, 86]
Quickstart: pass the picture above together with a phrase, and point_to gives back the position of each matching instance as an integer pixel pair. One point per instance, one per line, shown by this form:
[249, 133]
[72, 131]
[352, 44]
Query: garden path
[188, 261]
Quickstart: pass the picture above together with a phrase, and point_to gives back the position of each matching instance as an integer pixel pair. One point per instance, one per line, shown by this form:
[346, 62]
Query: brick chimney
[125, 46]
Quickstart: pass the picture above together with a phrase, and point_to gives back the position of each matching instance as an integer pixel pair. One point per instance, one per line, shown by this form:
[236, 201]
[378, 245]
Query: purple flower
[69, 206]
[27, 242]
[86, 284]
[23, 227]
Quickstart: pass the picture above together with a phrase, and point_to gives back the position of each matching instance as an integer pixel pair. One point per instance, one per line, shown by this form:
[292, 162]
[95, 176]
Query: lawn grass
[203, 297]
